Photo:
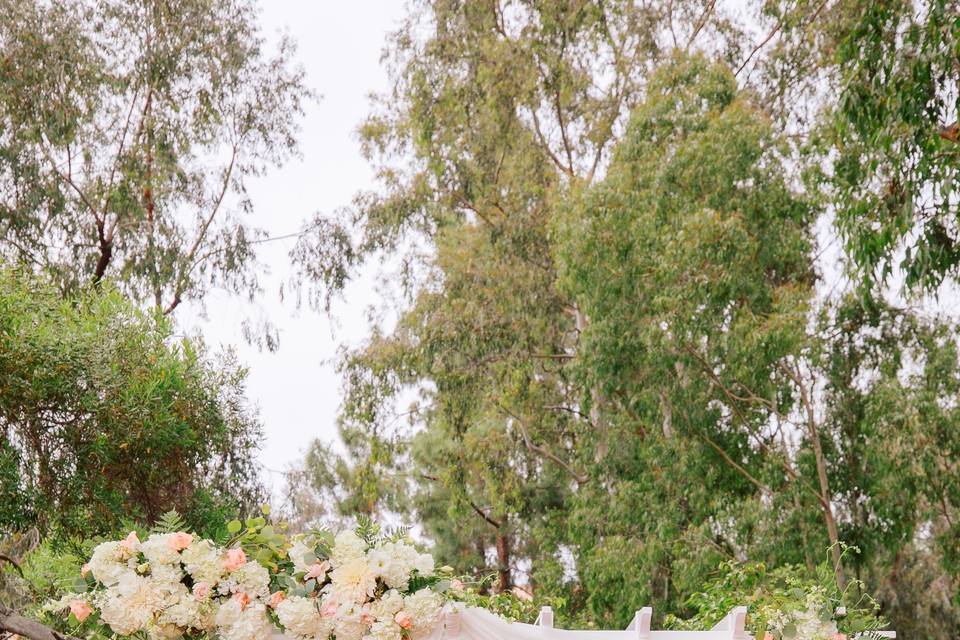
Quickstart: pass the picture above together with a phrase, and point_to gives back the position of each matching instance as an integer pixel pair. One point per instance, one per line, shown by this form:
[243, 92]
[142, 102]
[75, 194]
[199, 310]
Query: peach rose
[317, 570]
[366, 616]
[179, 541]
[201, 590]
[130, 543]
[81, 609]
[276, 598]
[329, 608]
[243, 598]
[838, 636]
[85, 569]
[768, 636]
[403, 619]
[236, 558]
[457, 585]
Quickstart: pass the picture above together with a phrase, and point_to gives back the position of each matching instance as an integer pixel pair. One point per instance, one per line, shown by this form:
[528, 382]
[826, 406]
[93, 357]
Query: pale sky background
[297, 389]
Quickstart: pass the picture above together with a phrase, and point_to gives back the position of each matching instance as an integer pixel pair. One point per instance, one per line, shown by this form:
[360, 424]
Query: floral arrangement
[815, 618]
[786, 603]
[356, 585]
[360, 587]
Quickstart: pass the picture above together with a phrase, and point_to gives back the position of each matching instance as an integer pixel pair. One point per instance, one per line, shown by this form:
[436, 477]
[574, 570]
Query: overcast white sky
[297, 388]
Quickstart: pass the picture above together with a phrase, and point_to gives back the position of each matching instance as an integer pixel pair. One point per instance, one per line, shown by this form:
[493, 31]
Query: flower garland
[173, 585]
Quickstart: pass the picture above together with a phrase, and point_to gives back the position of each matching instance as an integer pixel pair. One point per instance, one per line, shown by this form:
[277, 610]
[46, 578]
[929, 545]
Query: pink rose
[201, 590]
[317, 570]
[131, 542]
[179, 541]
[366, 617]
[85, 569]
[403, 619]
[329, 608]
[276, 598]
[838, 636]
[81, 609]
[768, 636]
[243, 598]
[457, 585]
[236, 558]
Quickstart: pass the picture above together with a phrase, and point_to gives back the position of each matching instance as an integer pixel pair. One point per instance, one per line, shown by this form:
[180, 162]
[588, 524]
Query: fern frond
[169, 522]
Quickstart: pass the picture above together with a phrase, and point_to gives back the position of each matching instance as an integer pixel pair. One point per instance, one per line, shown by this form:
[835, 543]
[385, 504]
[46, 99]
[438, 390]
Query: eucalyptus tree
[691, 260]
[127, 133]
[497, 110]
[618, 365]
[895, 134]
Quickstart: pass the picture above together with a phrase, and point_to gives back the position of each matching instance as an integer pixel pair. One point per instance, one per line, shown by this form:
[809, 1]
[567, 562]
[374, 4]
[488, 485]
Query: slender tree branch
[12, 622]
[701, 23]
[580, 478]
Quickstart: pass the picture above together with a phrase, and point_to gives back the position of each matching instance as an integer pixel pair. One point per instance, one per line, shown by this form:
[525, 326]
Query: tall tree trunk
[503, 562]
[824, 483]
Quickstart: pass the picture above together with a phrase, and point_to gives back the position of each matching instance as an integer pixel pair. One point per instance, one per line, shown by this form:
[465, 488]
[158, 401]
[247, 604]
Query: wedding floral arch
[353, 585]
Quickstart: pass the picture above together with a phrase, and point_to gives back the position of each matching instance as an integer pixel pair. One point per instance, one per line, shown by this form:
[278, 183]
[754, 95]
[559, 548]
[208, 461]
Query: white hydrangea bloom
[424, 565]
[349, 629]
[424, 607]
[347, 545]
[183, 610]
[301, 617]
[252, 578]
[236, 622]
[109, 563]
[387, 606]
[130, 606]
[383, 630]
[203, 562]
[157, 550]
[809, 625]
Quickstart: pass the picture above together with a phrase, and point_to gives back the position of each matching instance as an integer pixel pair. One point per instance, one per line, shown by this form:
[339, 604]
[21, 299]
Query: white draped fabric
[462, 623]
[468, 623]
[479, 624]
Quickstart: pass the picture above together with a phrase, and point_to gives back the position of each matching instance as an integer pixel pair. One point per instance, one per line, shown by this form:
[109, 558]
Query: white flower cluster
[170, 585]
[814, 622]
[363, 592]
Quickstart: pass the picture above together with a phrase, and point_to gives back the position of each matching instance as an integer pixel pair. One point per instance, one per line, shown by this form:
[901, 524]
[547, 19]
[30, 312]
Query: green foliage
[624, 363]
[110, 418]
[768, 594]
[895, 135]
[127, 132]
[170, 522]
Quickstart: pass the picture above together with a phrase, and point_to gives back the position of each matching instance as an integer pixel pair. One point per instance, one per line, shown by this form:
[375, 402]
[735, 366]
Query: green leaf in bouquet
[265, 509]
[442, 586]
[789, 631]
[234, 526]
[79, 585]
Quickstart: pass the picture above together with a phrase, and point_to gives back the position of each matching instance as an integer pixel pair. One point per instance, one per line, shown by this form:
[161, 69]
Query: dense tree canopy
[127, 131]
[624, 364]
[105, 417]
[645, 253]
